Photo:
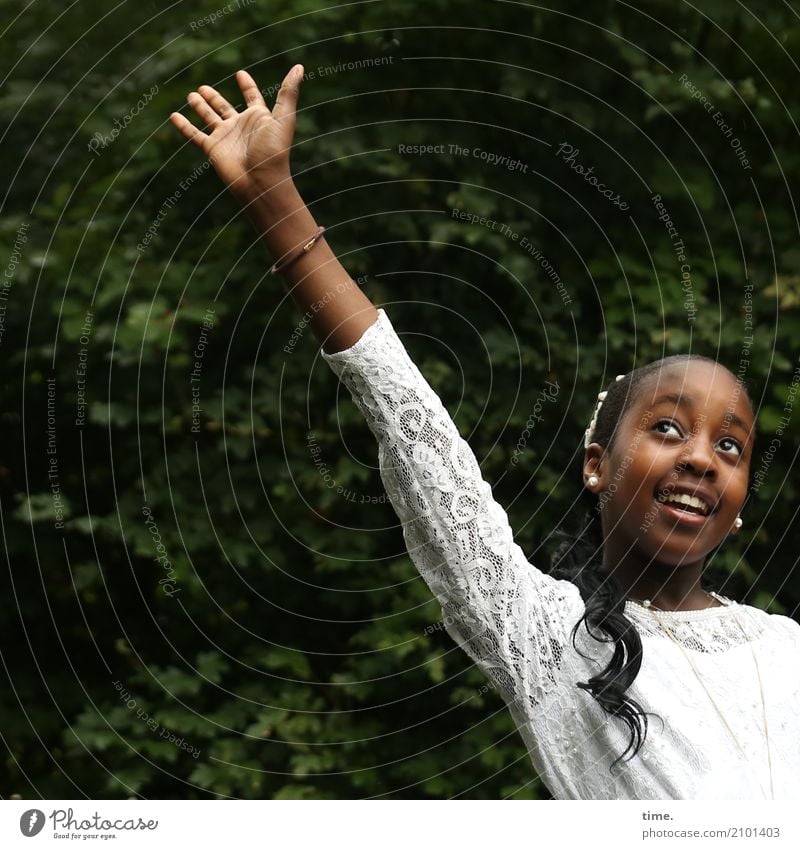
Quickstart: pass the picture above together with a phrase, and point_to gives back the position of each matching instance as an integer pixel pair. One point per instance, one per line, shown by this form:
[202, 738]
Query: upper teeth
[682, 498]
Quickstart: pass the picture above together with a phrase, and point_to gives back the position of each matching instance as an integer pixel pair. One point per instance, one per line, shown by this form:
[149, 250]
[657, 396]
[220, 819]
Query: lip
[697, 491]
[693, 520]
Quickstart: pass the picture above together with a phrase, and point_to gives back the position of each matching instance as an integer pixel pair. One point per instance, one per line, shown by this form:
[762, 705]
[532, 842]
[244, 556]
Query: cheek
[734, 488]
[647, 466]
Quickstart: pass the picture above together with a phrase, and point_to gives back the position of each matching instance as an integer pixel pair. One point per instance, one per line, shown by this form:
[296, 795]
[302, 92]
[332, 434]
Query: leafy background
[299, 653]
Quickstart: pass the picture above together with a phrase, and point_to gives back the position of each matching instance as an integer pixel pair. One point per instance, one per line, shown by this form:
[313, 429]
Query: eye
[669, 423]
[733, 442]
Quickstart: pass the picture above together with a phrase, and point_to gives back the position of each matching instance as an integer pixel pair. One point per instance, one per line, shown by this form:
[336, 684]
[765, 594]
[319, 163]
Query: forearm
[339, 312]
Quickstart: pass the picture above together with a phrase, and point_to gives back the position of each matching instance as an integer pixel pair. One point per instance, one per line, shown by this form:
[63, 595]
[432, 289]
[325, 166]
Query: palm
[246, 148]
[241, 146]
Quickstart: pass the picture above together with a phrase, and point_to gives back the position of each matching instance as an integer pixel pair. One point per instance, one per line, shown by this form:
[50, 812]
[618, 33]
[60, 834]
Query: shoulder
[785, 623]
[784, 626]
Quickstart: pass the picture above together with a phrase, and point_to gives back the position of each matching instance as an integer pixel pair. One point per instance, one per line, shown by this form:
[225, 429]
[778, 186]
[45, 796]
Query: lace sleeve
[510, 618]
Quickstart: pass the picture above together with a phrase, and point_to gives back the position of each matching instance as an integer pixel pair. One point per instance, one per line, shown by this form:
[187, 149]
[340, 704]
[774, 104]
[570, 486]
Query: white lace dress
[514, 621]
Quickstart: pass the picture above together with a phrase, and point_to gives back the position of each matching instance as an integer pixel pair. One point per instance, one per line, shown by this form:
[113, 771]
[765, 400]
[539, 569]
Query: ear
[594, 464]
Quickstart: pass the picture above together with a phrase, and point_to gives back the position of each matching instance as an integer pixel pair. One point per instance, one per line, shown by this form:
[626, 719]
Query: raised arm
[510, 618]
[250, 152]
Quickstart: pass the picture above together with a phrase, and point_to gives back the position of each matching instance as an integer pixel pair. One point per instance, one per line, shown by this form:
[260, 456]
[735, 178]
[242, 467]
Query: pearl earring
[738, 522]
[593, 480]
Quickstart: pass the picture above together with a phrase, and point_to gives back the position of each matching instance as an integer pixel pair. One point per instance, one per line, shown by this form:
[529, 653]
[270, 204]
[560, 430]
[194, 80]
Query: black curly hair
[579, 559]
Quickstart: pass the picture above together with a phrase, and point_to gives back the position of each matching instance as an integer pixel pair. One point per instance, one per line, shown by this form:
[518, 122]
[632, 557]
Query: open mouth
[685, 508]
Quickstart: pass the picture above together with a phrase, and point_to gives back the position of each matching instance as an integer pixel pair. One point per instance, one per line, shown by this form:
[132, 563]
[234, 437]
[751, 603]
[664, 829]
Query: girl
[667, 691]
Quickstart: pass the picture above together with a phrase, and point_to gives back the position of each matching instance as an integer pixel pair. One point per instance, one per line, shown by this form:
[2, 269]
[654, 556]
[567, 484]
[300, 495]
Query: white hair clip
[601, 396]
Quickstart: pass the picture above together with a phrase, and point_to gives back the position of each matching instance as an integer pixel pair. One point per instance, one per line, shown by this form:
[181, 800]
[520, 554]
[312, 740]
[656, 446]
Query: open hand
[250, 149]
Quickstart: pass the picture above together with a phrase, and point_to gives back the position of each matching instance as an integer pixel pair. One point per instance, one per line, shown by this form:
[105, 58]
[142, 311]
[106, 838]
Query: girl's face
[690, 431]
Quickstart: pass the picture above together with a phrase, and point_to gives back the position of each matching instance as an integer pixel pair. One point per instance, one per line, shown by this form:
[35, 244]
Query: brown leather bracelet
[301, 251]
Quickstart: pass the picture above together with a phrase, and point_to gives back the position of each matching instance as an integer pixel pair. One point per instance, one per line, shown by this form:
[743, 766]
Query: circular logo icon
[31, 822]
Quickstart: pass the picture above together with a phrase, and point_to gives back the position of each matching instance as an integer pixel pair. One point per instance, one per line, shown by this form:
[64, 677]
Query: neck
[667, 587]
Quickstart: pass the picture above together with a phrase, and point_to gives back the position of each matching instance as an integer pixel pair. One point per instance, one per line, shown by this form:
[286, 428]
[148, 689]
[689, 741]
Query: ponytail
[579, 559]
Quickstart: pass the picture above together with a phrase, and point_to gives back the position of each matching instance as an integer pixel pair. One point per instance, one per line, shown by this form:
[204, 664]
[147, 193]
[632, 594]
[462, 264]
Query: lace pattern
[696, 630]
[509, 617]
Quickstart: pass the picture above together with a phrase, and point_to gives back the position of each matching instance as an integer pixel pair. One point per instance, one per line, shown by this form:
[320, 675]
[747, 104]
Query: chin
[682, 541]
[670, 554]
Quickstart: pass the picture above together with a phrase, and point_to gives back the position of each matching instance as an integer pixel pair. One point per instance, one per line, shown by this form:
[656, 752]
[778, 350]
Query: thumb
[286, 101]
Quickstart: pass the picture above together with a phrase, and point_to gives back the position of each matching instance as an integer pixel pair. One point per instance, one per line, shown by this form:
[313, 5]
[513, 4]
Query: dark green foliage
[287, 642]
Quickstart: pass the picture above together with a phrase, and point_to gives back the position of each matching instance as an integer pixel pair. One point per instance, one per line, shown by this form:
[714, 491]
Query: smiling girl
[621, 630]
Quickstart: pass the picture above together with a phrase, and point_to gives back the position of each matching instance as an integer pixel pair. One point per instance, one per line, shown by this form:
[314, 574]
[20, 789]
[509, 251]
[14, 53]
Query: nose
[699, 455]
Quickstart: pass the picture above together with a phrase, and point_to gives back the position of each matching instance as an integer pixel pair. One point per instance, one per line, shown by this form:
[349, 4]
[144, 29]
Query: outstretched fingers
[187, 129]
[217, 101]
[286, 100]
[250, 90]
[203, 110]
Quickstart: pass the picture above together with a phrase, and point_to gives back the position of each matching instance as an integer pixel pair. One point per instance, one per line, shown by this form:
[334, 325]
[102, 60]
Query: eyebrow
[683, 401]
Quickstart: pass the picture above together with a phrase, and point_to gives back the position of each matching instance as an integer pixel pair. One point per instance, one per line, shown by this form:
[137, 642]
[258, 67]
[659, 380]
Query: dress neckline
[704, 613]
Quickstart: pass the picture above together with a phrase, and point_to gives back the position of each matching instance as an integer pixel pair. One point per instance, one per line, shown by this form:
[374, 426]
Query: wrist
[277, 208]
[279, 216]
[266, 192]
